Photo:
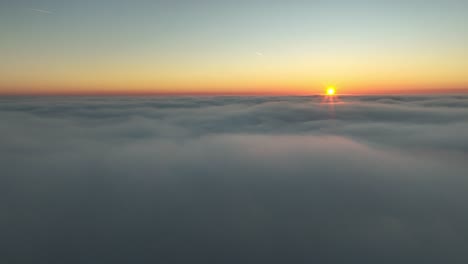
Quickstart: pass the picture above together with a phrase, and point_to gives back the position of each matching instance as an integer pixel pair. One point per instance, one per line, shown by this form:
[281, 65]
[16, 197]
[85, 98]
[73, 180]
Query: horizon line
[235, 93]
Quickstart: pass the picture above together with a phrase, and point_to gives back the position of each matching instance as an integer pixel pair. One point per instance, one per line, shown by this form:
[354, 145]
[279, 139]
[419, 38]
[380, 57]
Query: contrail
[42, 11]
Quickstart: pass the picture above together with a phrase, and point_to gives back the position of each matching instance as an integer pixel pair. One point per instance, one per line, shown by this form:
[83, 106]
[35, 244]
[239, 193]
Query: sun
[331, 91]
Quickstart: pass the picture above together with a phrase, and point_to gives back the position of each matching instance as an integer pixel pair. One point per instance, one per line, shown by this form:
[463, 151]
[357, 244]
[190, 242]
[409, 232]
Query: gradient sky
[286, 47]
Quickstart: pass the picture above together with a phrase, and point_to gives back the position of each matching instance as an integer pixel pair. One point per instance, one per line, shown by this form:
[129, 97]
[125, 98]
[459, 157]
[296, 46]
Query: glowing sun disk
[331, 91]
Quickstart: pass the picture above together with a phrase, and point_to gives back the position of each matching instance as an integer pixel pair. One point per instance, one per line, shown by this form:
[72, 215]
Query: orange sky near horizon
[215, 48]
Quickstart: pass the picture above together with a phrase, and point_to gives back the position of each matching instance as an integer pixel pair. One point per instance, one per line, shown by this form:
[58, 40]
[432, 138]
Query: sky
[239, 179]
[232, 47]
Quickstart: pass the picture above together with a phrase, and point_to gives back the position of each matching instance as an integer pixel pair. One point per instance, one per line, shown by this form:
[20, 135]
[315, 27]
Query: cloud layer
[234, 180]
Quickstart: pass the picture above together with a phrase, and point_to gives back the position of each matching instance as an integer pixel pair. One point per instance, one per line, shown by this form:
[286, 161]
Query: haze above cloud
[234, 179]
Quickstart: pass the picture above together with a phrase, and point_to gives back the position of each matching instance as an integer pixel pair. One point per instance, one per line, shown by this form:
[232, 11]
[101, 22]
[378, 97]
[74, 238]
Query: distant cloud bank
[379, 179]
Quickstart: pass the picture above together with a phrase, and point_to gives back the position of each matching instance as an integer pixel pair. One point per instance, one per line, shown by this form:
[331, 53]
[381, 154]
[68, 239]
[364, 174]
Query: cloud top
[234, 179]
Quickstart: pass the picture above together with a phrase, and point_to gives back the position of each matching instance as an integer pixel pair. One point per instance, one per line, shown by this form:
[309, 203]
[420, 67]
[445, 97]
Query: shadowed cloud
[234, 180]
